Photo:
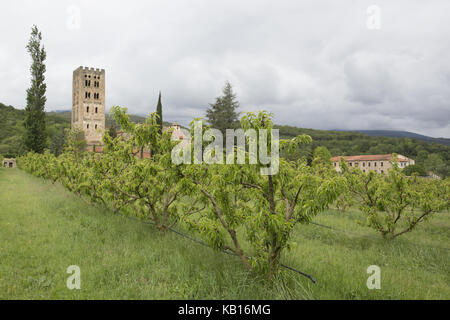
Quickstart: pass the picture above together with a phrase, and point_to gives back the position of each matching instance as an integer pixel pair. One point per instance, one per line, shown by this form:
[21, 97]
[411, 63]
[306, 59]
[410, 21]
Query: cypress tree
[35, 138]
[159, 113]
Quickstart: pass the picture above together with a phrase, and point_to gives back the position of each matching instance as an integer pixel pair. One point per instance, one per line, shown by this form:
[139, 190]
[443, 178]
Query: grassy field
[44, 229]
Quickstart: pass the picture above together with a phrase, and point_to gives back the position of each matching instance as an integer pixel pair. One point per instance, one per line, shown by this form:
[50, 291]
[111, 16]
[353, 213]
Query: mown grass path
[44, 229]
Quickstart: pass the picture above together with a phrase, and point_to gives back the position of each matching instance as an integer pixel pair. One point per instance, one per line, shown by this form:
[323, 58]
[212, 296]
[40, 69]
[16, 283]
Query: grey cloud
[313, 63]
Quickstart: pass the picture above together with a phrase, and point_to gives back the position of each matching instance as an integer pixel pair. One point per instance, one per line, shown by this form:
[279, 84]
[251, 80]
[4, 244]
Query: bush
[415, 168]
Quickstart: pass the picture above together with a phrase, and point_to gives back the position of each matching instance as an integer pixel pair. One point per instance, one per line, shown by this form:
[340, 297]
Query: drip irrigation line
[301, 272]
[322, 225]
[331, 228]
[222, 250]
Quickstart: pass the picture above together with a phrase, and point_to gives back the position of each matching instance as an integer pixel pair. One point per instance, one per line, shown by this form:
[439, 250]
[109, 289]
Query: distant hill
[404, 134]
[412, 145]
[12, 129]
[432, 155]
[67, 114]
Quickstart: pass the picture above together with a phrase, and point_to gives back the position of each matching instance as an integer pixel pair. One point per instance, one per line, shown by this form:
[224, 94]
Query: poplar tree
[35, 138]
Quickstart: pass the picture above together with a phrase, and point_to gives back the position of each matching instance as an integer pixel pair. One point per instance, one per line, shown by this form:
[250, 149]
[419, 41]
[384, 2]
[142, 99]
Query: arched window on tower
[87, 109]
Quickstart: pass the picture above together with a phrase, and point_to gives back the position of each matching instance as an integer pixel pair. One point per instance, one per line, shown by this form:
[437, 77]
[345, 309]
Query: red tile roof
[370, 157]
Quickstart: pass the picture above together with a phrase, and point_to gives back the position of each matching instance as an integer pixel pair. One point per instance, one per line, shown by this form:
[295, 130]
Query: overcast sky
[315, 64]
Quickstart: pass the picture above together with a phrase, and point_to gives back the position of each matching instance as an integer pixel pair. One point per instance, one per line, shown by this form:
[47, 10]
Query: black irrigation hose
[322, 225]
[222, 250]
[331, 228]
[328, 227]
[301, 272]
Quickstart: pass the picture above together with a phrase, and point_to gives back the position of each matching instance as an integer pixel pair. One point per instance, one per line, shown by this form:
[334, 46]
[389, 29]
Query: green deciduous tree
[434, 163]
[321, 156]
[57, 142]
[240, 202]
[112, 131]
[394, 203]
[147, 188]
[35, 134]
[415, 168]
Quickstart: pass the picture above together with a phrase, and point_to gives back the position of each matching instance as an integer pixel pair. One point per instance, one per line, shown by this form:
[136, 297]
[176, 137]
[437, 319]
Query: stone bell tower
[88, 103]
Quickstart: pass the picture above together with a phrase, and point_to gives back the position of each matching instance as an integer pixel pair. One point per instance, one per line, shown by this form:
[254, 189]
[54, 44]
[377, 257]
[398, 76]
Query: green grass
[44, 229]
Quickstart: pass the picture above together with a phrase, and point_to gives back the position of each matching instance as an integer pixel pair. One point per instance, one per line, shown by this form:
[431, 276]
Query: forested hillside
[12, 130]
[404, 134]
[109, 122]
[432, 156]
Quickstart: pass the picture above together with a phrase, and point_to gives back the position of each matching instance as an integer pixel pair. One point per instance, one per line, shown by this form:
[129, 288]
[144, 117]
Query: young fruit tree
[258, 201]
[147, 188]
[395, 203]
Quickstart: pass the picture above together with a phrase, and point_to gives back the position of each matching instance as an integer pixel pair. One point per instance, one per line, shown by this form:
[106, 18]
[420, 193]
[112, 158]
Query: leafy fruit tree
[322, 157]
[222, 114]
[147, 188]
[112, 131]
[241, 202]
[75, 142]
[394, 203]
[35, 138]
[57, 142]
[344, 201]
[254, 200]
